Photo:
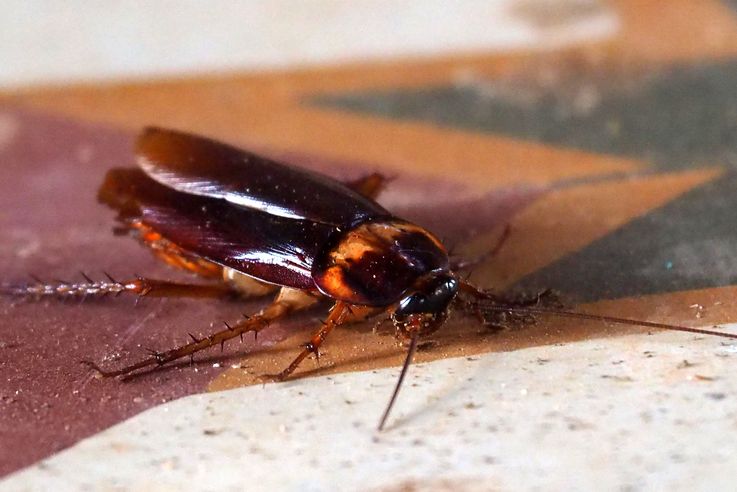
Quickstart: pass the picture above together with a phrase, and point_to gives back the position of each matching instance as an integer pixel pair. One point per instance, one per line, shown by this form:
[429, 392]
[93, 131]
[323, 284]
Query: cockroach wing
[267, 247]
[200, 166]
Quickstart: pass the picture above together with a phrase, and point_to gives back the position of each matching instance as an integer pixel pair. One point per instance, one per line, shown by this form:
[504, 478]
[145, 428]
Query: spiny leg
[288, 301]
[339, 314]
[544, 298]
[139, 286]
[537, 306]
[169, 252]
[471, 299]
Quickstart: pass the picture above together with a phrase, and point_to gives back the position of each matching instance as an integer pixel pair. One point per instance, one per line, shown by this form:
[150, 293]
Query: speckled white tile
[628, 413]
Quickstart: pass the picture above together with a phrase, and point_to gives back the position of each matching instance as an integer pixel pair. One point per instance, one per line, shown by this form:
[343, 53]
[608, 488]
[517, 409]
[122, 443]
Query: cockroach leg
[254, 324]
[369, 186]
[162, 288]
[340, 314]
[140, 286]
[170, 253]
[484, 302]
[457, 264]
[471, 296]
[288, 301]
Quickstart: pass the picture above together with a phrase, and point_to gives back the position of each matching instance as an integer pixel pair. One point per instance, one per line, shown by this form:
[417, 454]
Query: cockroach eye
[432, 296]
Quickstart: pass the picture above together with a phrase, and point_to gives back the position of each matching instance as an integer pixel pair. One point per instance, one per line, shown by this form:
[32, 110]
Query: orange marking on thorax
[335, 283]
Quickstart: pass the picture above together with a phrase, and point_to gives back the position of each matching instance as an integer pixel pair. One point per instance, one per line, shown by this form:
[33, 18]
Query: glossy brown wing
[200, 166]
[267, 247]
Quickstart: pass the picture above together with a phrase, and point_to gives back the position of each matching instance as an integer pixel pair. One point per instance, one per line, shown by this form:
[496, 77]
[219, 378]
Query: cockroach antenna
[405, 367]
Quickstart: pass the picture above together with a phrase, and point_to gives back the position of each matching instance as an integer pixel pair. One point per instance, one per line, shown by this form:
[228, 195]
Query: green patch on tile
[675, 118]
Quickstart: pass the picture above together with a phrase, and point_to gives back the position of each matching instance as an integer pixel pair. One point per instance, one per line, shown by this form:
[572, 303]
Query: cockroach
[255, 226]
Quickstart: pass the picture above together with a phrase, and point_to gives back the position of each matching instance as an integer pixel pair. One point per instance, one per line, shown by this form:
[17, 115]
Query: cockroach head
[425, 307]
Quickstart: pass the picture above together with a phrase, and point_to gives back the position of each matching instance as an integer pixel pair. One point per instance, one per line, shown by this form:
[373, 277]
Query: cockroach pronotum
[254, 226]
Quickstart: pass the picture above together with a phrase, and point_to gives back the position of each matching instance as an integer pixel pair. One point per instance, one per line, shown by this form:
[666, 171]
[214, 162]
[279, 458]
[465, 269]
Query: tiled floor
[601, 132]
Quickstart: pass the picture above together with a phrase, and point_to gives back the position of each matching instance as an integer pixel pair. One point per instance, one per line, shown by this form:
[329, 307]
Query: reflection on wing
[201, 166]
[268, 247]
